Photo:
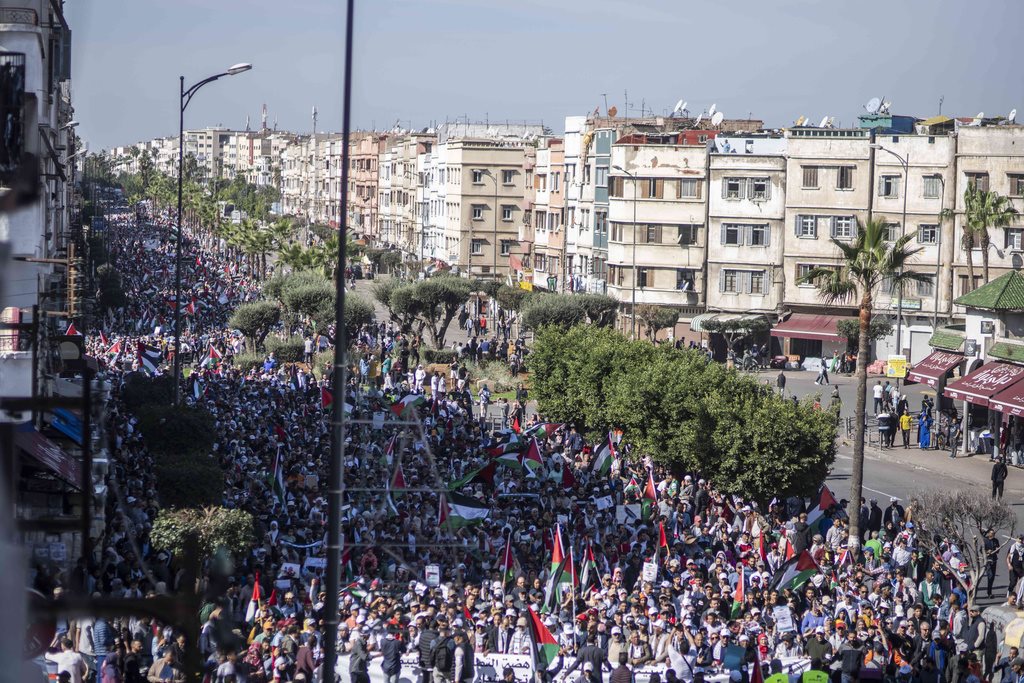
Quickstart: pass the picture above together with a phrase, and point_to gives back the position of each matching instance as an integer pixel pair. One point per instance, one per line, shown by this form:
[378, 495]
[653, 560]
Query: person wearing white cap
[660, 642]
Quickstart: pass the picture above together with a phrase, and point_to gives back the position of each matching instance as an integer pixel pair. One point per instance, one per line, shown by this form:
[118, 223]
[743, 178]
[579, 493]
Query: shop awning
[1009, 401]
[933, 368]
[49, 454]
[984, 383]
[806, 326]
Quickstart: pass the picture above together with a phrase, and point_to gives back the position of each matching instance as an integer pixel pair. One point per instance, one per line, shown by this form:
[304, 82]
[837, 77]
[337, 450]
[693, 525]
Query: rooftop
[1005, 293]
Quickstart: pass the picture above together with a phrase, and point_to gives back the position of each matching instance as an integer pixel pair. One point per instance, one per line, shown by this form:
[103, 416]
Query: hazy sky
[421, 61]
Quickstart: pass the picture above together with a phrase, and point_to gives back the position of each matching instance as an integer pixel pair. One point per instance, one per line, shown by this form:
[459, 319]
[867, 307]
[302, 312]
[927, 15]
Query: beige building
[548, 216]
[399, 220]
[657, 213]
[364, 157]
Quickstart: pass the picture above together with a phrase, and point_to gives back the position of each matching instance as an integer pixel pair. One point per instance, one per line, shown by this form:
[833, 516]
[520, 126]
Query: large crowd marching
[478, 546]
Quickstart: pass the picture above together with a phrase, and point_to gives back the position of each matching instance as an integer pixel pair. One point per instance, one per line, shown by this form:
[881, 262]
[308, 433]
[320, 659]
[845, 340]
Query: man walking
[822, 374]
[999, 474]
[780, 382]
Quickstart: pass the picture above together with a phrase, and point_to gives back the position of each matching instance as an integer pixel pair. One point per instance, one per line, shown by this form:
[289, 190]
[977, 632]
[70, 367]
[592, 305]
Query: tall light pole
[185, 96]
[632, 310]
[905, 163]
[938, 253]
[494, 247]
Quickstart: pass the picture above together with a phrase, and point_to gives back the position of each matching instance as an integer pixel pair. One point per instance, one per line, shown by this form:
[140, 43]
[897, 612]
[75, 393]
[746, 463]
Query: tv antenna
[873, 105]
[717, 118]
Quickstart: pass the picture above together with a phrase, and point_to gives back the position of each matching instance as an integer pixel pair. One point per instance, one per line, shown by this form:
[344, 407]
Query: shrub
[255, 320]
[247, 361]
[141, 391]
[497, 375]
[213, 528]
[189, 479]
[440, 356]
[561, 310]
[288, 350]
[323, 362]
[172, 430]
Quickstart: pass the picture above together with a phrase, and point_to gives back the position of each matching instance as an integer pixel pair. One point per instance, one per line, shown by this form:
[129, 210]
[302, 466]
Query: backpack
[443, 660]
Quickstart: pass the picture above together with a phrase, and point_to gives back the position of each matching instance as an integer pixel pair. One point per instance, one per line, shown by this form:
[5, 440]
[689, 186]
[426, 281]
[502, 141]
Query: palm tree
[983, 210]
[868, 261]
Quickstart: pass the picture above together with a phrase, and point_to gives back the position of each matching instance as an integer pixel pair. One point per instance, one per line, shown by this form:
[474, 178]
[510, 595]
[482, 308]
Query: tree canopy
[255, 320]
[681, 410]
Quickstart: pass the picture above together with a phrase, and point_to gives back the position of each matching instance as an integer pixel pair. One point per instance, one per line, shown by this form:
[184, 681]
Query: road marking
[868, 488]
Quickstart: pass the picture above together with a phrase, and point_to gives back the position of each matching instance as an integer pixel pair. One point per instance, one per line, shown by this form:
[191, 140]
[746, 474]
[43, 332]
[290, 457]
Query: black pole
[86, 480]
[336, 490]
[177, 246]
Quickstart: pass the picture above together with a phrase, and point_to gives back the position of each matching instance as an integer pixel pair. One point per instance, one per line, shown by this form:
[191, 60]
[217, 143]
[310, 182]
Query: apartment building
[400, 223]
[657, 214]
[434, 204]
[746, 224]
[485, 186]
[548, 216]
[364, 156]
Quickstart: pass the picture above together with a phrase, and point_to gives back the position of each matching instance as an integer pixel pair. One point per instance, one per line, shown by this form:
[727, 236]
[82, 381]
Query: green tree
[983, 209]
[438, 300]
[600, 308]
[562, 310]
[255, 320]
[407, 308]
[111, 292]
[849, 328]
[381, 290]
[867, 262]
[737, 329]
[656, 318]
[215, 529]
[513, 298]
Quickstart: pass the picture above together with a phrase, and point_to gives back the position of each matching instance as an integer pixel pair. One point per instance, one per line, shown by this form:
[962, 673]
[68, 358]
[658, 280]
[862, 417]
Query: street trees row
[676, 407]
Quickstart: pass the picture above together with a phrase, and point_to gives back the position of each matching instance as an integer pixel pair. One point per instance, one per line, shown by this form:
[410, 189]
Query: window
[685, 280]
[601, 178]
[757, 282]
[615, 273]
[615, 186]
[807, 227]
[689, 188]
[652, 188]
[616, 232]
[893, 232]
[810, 180]
[760, 189]
[932, 186]
[889, 186]
[506, 213]
[927, 234]
[645, 277]
[1014, 239]
[730, 281]
[964, 288]
[1016, 184]
[600, 222]
[555, 177]
[802, 271]
[760, 235]
[507, 177]
[732, 188]
[732, 234]
[842, 227]
[652, 234]
[844, 178]
[478, 176]
[687, 235]
[478, 212]
[586, 174]
[926, 288]
[978, 181]
[477, 247]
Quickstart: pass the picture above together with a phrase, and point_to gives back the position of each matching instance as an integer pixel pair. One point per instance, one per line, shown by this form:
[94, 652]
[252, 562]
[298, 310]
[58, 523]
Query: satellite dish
[885, 107]
[679, 107]
[831, 122]
[717, 119]
[612, 111]
[712, 110]
[682, 107]
[873, 105]
[800, 121]
[824, 122]
[977, 119]
[1012, 116]
[699, 118]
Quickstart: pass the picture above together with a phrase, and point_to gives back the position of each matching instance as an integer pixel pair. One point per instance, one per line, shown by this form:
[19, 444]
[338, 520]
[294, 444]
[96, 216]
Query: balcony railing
[19, 15]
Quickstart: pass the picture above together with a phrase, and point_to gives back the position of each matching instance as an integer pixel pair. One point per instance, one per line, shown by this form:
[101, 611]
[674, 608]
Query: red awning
[1009, 401]
[805, 326]
[934, 367]
[50, 455]
[984, 383]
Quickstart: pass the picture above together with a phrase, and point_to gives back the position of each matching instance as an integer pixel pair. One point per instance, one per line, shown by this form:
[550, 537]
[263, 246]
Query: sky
[420, 62]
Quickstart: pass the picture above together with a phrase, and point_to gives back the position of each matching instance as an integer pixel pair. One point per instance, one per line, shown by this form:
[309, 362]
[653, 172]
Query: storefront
[935, 369]
[810, 336]
[1010, 404]
[977, 390]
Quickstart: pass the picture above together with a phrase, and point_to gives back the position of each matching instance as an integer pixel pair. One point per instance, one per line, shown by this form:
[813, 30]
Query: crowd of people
[465, 537]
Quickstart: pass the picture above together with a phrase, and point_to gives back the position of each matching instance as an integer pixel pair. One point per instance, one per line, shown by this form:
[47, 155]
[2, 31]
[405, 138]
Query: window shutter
[723, 233]
[659, 187]
[768, 188]
[744, 284]
[749, 187]
[721, 280]
[796, 225]
[725, 188]
[834, 226]
[657, 234]
[881, 186]
[767, 235]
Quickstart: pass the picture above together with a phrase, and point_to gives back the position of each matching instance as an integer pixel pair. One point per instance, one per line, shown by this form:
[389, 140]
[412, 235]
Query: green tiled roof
[947, 339]
[1007, 351]
[1005, 293]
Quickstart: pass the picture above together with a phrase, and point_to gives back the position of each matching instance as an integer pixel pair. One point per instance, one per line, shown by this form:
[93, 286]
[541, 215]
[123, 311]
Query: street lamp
[494, 247]
[938, 253]
[905, 163]
[632, 311]
[185, 96]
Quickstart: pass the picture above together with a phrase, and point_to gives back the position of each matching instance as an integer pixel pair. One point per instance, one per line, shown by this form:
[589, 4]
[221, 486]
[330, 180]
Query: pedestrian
[1015, 562]
[999, 474]
[876, 393]
[905, 428]
[822, 374]
[780, 382]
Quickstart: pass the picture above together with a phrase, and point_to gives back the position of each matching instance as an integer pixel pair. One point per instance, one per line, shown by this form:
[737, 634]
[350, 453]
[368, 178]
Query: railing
[19, 15]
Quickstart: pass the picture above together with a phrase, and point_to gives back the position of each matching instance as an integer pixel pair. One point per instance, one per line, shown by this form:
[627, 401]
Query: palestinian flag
[589, 576]
[542, 430]
[738, 596]
[409, 402]
[483, 475]
[794, 573]
[558, 574]
[72, 331]
[458, 510]
[515, 425]
[103, 338]
[509, 566]
[568, 478]
[354, 590]
[509, 443]
[650, 499]
[631, 488]
[277, 475]
[545, 644]
[603, 456]
[532, 457]
[326, 398]
[389, 450]
[825, 502]
[397, 486]
[191, 308]
[115, 350]
[149, 357]
[254, 604]
[662, 539]
[212, 357]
